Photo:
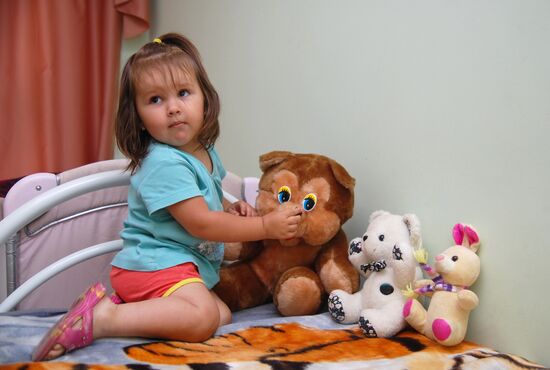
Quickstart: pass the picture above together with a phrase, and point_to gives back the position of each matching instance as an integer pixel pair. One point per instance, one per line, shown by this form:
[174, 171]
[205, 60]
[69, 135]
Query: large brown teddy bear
[295, 273]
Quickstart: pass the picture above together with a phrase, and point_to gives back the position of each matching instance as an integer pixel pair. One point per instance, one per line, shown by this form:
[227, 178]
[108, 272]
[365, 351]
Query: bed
[59, 233]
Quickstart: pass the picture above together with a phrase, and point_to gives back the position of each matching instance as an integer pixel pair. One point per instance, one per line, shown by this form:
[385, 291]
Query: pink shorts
[134, 286]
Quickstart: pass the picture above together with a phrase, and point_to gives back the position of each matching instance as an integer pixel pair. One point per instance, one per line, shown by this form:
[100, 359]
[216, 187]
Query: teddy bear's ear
[341, 175]
[374, 215]
[271, 159]
[413, 224]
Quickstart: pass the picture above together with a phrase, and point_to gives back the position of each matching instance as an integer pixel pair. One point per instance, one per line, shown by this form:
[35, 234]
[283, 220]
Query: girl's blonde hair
[171, 52]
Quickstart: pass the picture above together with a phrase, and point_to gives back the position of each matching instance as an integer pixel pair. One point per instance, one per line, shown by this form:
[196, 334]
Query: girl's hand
[282, 224]
[241, 208]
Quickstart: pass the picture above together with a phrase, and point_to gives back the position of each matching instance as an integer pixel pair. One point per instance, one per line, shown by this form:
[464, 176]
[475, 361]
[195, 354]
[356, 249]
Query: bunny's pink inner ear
[458, 233]
[471, 234]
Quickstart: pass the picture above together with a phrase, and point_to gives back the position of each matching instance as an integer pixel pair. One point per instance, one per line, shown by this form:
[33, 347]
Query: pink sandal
[64, 331]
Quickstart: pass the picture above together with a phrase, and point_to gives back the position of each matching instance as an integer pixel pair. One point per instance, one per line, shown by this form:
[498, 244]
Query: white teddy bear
[385, 257]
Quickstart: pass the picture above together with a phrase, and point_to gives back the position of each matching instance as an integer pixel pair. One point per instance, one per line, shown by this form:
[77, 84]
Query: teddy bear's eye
[381, 237]
[454, 258]
[310, 201]
[284, 194]
[365, 237]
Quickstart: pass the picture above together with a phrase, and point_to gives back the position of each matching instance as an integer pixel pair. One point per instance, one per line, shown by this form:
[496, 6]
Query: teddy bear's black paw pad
[355, 247]
[367, 328]
[335, 308]
[397, 254]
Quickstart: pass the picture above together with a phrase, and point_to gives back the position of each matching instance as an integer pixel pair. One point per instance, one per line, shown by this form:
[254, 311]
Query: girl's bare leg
[225, 312]
[192, 313]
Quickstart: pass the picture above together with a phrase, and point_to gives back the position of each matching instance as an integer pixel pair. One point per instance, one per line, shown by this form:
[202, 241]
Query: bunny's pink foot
[441, 329]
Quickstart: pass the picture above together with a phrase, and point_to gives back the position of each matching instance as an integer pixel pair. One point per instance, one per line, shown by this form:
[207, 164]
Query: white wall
[440, 108]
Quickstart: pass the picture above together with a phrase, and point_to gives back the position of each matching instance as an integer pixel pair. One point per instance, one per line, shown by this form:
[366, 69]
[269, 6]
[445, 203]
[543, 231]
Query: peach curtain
[59, 68]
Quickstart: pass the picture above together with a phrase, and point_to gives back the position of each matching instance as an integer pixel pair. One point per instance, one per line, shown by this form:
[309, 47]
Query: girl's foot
[74, 330]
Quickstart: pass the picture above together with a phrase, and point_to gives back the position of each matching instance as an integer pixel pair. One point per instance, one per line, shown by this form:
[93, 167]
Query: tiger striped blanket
[301, 343]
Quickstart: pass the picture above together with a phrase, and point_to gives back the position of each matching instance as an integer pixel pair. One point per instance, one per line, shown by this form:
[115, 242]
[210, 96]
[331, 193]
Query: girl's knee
[225, 315]
[200, 319]
[225, 312]
[207, 322]
[202, 331]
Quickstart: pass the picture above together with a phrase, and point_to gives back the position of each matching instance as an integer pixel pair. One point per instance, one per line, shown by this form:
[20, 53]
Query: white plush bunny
[385, 257]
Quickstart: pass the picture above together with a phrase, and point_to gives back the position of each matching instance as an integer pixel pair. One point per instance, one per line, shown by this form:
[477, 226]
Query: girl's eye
[284, 194]
[154, 100]
[183, 93]
[310, 201]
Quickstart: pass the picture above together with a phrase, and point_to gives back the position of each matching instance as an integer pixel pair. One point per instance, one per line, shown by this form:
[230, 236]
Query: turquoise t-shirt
[153, 239]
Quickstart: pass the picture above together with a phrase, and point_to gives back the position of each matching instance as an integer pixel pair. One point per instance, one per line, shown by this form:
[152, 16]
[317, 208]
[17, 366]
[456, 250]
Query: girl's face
[170, 104]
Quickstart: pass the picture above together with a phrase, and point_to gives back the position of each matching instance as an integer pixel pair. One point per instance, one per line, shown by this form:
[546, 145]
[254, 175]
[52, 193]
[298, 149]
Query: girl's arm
[195, 217]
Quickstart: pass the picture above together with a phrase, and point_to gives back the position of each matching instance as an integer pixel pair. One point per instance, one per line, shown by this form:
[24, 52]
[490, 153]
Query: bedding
[258, 338]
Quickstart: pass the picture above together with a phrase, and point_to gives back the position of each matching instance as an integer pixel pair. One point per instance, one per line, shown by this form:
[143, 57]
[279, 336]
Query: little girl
[167, 124]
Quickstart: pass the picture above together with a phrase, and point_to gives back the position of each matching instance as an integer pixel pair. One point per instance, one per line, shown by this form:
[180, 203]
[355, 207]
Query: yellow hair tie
[158, 41]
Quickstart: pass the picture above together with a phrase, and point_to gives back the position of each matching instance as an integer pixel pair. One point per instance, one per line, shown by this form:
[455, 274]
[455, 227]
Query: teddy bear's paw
[298, 292]
[367, 328]
[336, 308]
[355, 247]
[397, 253]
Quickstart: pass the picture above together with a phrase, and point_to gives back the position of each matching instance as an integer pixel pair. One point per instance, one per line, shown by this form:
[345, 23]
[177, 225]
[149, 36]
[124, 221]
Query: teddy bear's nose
[294, 207]
[439, 257]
